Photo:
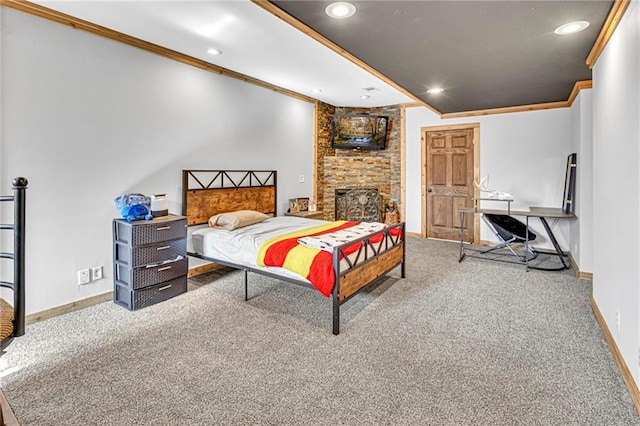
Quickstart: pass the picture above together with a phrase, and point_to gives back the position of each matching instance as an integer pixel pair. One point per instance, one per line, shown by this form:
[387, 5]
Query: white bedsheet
[241, 246]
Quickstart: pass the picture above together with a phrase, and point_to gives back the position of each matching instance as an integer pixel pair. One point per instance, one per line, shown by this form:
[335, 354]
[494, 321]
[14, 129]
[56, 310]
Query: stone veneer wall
[324, 117]
[354, 172]
[356, 169]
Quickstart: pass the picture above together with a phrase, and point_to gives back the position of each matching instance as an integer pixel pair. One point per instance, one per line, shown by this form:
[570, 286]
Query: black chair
[510, 231]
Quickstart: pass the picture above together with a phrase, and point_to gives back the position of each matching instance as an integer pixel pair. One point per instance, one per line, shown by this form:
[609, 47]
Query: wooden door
[449, 182]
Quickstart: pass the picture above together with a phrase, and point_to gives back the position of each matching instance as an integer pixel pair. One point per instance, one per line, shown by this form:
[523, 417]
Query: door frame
[475, 127]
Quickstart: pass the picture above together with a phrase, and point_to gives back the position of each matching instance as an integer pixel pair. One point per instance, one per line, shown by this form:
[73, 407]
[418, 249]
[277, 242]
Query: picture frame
[303, 204]
[293, 205]
[569, 184]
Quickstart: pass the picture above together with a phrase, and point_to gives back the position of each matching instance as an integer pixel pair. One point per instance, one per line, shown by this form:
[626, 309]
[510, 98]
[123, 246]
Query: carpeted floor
[471, 343]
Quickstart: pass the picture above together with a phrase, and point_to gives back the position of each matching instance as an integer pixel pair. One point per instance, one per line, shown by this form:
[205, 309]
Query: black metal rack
[18, 256]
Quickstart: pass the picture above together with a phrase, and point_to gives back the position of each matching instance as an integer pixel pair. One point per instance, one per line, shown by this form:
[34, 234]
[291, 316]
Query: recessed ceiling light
[316, 90]
[365, 97]
[340, 10]
[435, 90]
[571, 27]
[213, 51]
[370, 89]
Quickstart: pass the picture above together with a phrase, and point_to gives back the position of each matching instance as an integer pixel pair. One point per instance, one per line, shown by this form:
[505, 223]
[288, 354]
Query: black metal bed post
[19, 218]
[275, 192]
[403, 273]
[246, 285]
[336, 292]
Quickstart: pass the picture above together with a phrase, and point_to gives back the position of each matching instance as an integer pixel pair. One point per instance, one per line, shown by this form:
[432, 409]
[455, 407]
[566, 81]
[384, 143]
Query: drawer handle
[165, 287]
[164, 269]
[163, 228]
[163, 248]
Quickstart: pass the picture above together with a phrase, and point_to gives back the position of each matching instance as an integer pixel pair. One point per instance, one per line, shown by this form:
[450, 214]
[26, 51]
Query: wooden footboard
[372, 261]
[356, 279]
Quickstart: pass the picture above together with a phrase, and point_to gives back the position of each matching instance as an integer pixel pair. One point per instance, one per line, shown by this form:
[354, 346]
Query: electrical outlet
[84, 276]
[301, 178]
[618, 320]
[96, 273]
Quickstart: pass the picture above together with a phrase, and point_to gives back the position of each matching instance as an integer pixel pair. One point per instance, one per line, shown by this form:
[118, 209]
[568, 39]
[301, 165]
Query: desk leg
[554, 242]
[526, 243]
[462, 217]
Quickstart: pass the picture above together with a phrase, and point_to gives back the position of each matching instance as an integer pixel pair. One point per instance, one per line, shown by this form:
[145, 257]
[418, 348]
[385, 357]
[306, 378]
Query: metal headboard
[209, 192]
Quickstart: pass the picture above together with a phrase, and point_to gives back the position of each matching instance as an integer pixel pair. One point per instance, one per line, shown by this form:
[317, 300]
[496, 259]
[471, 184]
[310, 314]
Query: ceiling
[485, 54]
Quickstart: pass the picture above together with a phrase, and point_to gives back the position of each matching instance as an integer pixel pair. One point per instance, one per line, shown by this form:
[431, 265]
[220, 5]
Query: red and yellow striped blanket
[314, 264]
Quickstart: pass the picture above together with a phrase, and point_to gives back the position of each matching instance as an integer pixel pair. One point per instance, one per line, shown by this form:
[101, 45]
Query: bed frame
[12, 317]
[209, 192]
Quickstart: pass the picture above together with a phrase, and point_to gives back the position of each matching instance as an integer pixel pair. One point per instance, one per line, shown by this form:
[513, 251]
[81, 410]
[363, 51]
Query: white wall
[524, 154]
[1, 80]
[616, 186]
[5, 208]
[582, 143]
[86, 119]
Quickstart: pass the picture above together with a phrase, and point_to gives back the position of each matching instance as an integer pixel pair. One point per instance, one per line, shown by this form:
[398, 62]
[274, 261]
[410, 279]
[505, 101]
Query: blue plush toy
[134, 206]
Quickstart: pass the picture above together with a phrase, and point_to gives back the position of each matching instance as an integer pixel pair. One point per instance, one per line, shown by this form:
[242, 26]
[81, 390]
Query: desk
[542, 213]
[504, 200]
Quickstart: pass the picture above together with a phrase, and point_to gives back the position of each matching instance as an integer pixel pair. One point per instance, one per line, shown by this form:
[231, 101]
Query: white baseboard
[627, 378]
[69, 307]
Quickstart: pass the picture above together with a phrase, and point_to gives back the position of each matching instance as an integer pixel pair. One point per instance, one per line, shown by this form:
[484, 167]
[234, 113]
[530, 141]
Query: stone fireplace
[351, 172]
[347, 169]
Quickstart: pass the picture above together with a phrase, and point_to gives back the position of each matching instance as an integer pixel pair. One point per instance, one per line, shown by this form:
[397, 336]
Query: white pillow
[237, 219]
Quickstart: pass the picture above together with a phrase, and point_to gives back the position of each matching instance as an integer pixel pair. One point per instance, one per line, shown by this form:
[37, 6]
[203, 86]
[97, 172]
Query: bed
[352, 265]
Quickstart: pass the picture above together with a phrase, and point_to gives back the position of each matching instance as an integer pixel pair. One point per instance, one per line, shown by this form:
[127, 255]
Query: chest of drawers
[150, 261]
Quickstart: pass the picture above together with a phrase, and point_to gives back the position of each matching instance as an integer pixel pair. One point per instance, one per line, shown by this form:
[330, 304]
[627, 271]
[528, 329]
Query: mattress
[240, 246]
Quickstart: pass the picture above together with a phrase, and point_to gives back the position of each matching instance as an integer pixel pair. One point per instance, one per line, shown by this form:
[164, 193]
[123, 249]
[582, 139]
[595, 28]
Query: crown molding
[582, 84]
[80, 24]
[579, 85]
[610, 25]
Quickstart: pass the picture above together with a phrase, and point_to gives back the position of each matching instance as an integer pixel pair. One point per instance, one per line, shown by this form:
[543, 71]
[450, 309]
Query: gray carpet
[471, 343]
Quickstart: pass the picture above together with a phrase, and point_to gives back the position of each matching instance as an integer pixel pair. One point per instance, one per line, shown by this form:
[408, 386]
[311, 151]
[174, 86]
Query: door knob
[429, 190]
